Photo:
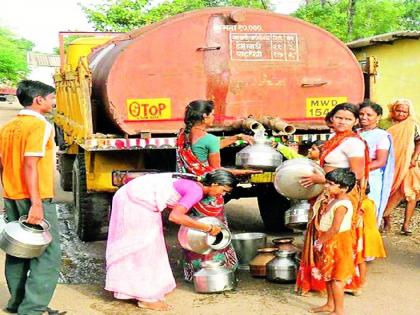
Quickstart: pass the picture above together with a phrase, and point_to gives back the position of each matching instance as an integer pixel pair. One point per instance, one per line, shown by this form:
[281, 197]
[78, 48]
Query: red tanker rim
[133, 34]
[143, 31]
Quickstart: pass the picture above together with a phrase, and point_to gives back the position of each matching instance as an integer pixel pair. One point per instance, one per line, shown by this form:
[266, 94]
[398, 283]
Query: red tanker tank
[250, 62]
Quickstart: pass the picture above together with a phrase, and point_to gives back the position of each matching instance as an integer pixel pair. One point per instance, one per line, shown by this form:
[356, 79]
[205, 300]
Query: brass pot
[285, 243]
[258, 265]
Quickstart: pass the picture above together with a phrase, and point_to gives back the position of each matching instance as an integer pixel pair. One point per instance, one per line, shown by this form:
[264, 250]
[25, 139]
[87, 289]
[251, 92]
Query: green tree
[353, 19]
[13, 65]
[125, 15]
[411, 18]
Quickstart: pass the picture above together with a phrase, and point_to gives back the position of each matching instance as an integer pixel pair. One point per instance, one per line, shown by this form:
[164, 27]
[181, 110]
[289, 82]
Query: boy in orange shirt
[26, 165]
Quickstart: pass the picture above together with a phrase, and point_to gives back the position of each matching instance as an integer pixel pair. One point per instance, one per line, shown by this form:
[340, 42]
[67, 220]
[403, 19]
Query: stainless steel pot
[201, 242]
[283, 268]
[297, 216]
[246, 246]
[288, 175]
[259, 155]
[214, 277]
[24, 240]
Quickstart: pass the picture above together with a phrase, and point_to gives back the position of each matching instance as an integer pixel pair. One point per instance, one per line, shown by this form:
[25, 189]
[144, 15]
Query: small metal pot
[297, 216]
[283, 268]
[23, 240]
[214, 277]
[201, 242]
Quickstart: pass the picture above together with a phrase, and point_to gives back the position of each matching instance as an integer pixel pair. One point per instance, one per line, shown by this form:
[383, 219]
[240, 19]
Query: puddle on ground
[81, 262]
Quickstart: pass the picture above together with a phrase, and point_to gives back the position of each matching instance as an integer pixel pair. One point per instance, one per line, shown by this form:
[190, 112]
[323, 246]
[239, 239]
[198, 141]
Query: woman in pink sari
[137, 262]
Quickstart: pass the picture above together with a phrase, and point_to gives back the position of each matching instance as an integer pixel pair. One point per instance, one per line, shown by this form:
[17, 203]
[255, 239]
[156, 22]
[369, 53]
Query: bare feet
[322, 309]
[156, 306]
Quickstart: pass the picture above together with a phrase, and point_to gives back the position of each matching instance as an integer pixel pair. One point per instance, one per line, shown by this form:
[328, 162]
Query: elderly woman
[402, 126]
[199, 152]
[381, 155]
[344, 150]
[136, 258]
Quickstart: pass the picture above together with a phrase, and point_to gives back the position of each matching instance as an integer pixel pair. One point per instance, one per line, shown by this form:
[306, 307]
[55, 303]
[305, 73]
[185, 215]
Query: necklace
[199, 128]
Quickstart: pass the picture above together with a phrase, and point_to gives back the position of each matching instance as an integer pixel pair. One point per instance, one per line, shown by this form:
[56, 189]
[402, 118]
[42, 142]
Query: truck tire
[65, 167]
[272, 207]
[91, 210]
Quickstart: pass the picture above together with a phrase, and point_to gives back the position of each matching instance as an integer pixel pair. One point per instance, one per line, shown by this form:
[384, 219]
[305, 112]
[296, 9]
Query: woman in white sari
[381, 153]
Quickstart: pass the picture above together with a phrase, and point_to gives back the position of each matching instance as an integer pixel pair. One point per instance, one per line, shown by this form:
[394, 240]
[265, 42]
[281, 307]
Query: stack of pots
[278, 263]
[283, 268]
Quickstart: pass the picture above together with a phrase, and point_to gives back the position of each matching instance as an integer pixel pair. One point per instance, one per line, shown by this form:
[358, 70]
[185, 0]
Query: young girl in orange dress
[333, 247]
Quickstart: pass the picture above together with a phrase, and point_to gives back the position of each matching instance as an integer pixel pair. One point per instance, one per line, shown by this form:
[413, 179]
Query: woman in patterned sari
[344, 150]
[403, 128]
[198, 152]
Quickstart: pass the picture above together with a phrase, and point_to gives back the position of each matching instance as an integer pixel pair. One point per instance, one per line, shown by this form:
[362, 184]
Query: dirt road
[393, 288]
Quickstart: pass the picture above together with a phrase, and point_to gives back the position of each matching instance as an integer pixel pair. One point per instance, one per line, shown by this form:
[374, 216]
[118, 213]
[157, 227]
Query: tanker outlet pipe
[278, 125]
[249, 123]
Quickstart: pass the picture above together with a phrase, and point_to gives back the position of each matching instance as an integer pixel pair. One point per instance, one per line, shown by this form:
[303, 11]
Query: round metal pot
[288, 175]
[258, 264]
[23, 240]
[201, 242]
[214, 277]
[297, 216]
[246, 246]
[283, 268]
[260, 155]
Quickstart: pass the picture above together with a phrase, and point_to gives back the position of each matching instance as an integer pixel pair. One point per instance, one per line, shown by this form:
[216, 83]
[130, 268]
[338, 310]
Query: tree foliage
[13, 65]
[369, 17]
[125, 15]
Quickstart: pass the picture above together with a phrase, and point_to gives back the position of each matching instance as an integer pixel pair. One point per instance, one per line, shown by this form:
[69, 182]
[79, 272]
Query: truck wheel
[65, 167]
[91, 210]
[272, 208]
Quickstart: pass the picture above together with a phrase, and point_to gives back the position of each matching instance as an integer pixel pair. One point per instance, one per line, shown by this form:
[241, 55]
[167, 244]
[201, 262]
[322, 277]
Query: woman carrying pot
[136, 258]
[381, 154]
[198, 152]
[402, 126]
[344, 150]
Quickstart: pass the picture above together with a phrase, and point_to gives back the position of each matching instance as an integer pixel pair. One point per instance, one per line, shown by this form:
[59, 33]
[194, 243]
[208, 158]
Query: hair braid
[194, 113]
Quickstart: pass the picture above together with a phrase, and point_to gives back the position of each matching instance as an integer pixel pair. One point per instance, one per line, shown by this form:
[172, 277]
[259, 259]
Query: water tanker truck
[121, 98]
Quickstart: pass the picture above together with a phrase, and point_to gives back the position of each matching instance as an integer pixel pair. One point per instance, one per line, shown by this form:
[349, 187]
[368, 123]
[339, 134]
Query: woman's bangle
[211, 228]
[239, 137]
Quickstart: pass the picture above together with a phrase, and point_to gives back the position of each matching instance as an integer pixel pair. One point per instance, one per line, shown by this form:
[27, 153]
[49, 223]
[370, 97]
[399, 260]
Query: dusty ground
[394, 282]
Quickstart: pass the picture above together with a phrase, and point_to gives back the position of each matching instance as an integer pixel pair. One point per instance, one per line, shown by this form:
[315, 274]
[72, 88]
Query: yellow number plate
[149, 108]
[320, 106]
